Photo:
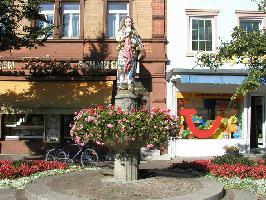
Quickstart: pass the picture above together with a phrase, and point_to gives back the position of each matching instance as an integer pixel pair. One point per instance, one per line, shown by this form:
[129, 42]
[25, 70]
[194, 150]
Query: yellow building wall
[54, 94]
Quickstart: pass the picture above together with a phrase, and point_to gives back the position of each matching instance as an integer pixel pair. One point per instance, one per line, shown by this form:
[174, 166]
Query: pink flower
[91, 119]
[109, 125]
[99, 143]
[150, 146]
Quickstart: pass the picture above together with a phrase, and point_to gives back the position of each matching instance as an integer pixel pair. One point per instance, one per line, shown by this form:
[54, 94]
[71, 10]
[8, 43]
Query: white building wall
[177, 25]
[177, 36]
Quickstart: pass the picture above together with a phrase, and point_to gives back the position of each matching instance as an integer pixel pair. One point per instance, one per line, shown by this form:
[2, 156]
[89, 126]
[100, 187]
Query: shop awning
[212, 79]
[53, 96]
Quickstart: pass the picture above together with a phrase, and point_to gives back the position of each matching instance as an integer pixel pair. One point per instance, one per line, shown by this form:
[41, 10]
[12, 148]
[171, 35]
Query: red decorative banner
[195, 131]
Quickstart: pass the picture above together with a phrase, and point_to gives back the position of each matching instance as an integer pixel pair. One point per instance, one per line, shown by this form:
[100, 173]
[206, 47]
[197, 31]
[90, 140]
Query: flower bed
[242, 176]
[21, 182]
[242, 171]
[21, 168]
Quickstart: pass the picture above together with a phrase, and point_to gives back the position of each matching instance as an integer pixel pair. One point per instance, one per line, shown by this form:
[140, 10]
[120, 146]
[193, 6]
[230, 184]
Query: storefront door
[257, 134]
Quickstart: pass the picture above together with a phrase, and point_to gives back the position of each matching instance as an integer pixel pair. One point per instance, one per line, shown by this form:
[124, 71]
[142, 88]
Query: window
[70, 19]
[202, 30]
[24, 125]
[116, 11]
[201, 34]
[250, 25]
[68, 13]
[251, 20]
[47, 10]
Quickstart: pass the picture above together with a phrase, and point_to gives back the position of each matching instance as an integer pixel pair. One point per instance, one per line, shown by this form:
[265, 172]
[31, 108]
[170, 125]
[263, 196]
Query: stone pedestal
[126, 166]
[126, 99]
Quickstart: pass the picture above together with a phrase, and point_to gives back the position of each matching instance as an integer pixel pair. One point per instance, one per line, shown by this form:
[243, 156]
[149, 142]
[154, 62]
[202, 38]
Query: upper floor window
[64, 15]
[116, 11]
[47, 10]
[202, 31]
[250, 25]
[201, 34]
[70, 20]
[251, 20]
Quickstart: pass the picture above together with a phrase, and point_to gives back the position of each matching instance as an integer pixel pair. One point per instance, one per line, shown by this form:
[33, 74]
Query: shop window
[24, 125]
[70, 19]
[209, 107]
[116, 11]
[67, 120]
[47, 10]
[202, 30]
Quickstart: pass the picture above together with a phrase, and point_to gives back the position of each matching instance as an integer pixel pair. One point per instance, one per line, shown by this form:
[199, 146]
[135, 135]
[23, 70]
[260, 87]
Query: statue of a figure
[129, 46]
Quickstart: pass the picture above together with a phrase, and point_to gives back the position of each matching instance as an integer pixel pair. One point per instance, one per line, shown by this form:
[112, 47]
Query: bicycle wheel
[50, 155]
[89, 158]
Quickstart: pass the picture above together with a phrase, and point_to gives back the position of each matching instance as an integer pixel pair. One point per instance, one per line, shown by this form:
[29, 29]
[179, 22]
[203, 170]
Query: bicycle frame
[75, 156]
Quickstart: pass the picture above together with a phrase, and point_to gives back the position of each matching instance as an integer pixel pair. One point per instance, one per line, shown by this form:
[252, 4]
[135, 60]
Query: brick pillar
[158, 18]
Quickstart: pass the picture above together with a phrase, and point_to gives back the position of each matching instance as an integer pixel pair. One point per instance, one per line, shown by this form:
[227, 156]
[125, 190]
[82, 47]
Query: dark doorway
[257, 119]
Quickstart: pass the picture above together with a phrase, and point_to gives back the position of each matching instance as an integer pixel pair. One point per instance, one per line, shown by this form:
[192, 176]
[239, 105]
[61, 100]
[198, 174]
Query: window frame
[105, 14]
[200, 18]
[45, 13]
[71, 13]
[251, 20]
[251, 16]
[58, 14]
[201, 14]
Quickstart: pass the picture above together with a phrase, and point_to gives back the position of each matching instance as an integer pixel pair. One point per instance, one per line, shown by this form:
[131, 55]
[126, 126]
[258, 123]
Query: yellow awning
[53, 95]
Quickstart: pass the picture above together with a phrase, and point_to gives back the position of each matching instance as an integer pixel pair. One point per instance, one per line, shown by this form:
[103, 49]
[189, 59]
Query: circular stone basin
[102, 185]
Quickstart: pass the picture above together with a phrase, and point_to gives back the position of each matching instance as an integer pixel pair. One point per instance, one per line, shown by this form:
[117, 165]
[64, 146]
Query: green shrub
[232, 160]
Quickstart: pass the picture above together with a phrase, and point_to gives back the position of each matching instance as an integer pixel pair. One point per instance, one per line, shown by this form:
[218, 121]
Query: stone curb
[39, 190]
[211, 190]
[241, 194]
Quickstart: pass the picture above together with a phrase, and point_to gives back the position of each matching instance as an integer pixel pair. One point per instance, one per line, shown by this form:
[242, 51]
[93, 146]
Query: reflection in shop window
[24, 125]
[67, 119]
[207, 111]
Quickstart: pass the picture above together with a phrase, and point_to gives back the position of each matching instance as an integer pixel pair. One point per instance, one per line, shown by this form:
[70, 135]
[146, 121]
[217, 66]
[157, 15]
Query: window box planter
[232, 152]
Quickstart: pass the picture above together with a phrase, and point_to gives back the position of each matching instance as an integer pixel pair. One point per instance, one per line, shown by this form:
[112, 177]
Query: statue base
[127, 100]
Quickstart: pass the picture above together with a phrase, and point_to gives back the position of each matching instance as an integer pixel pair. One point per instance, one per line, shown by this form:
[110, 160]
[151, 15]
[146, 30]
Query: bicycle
[85, 155]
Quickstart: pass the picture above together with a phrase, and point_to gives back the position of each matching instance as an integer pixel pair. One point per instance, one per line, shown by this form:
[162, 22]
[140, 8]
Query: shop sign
[5, 65]
[203, 95]
[99, 65]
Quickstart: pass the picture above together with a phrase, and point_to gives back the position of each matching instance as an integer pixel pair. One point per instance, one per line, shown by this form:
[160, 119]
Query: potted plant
[125, 132]
[231, 150]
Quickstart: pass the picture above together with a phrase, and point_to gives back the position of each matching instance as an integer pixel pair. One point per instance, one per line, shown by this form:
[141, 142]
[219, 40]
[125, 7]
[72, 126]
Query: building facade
[42, 88]
[201, 95]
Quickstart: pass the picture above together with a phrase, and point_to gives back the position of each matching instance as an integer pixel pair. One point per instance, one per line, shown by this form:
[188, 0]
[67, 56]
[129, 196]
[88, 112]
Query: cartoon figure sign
[195, 131]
